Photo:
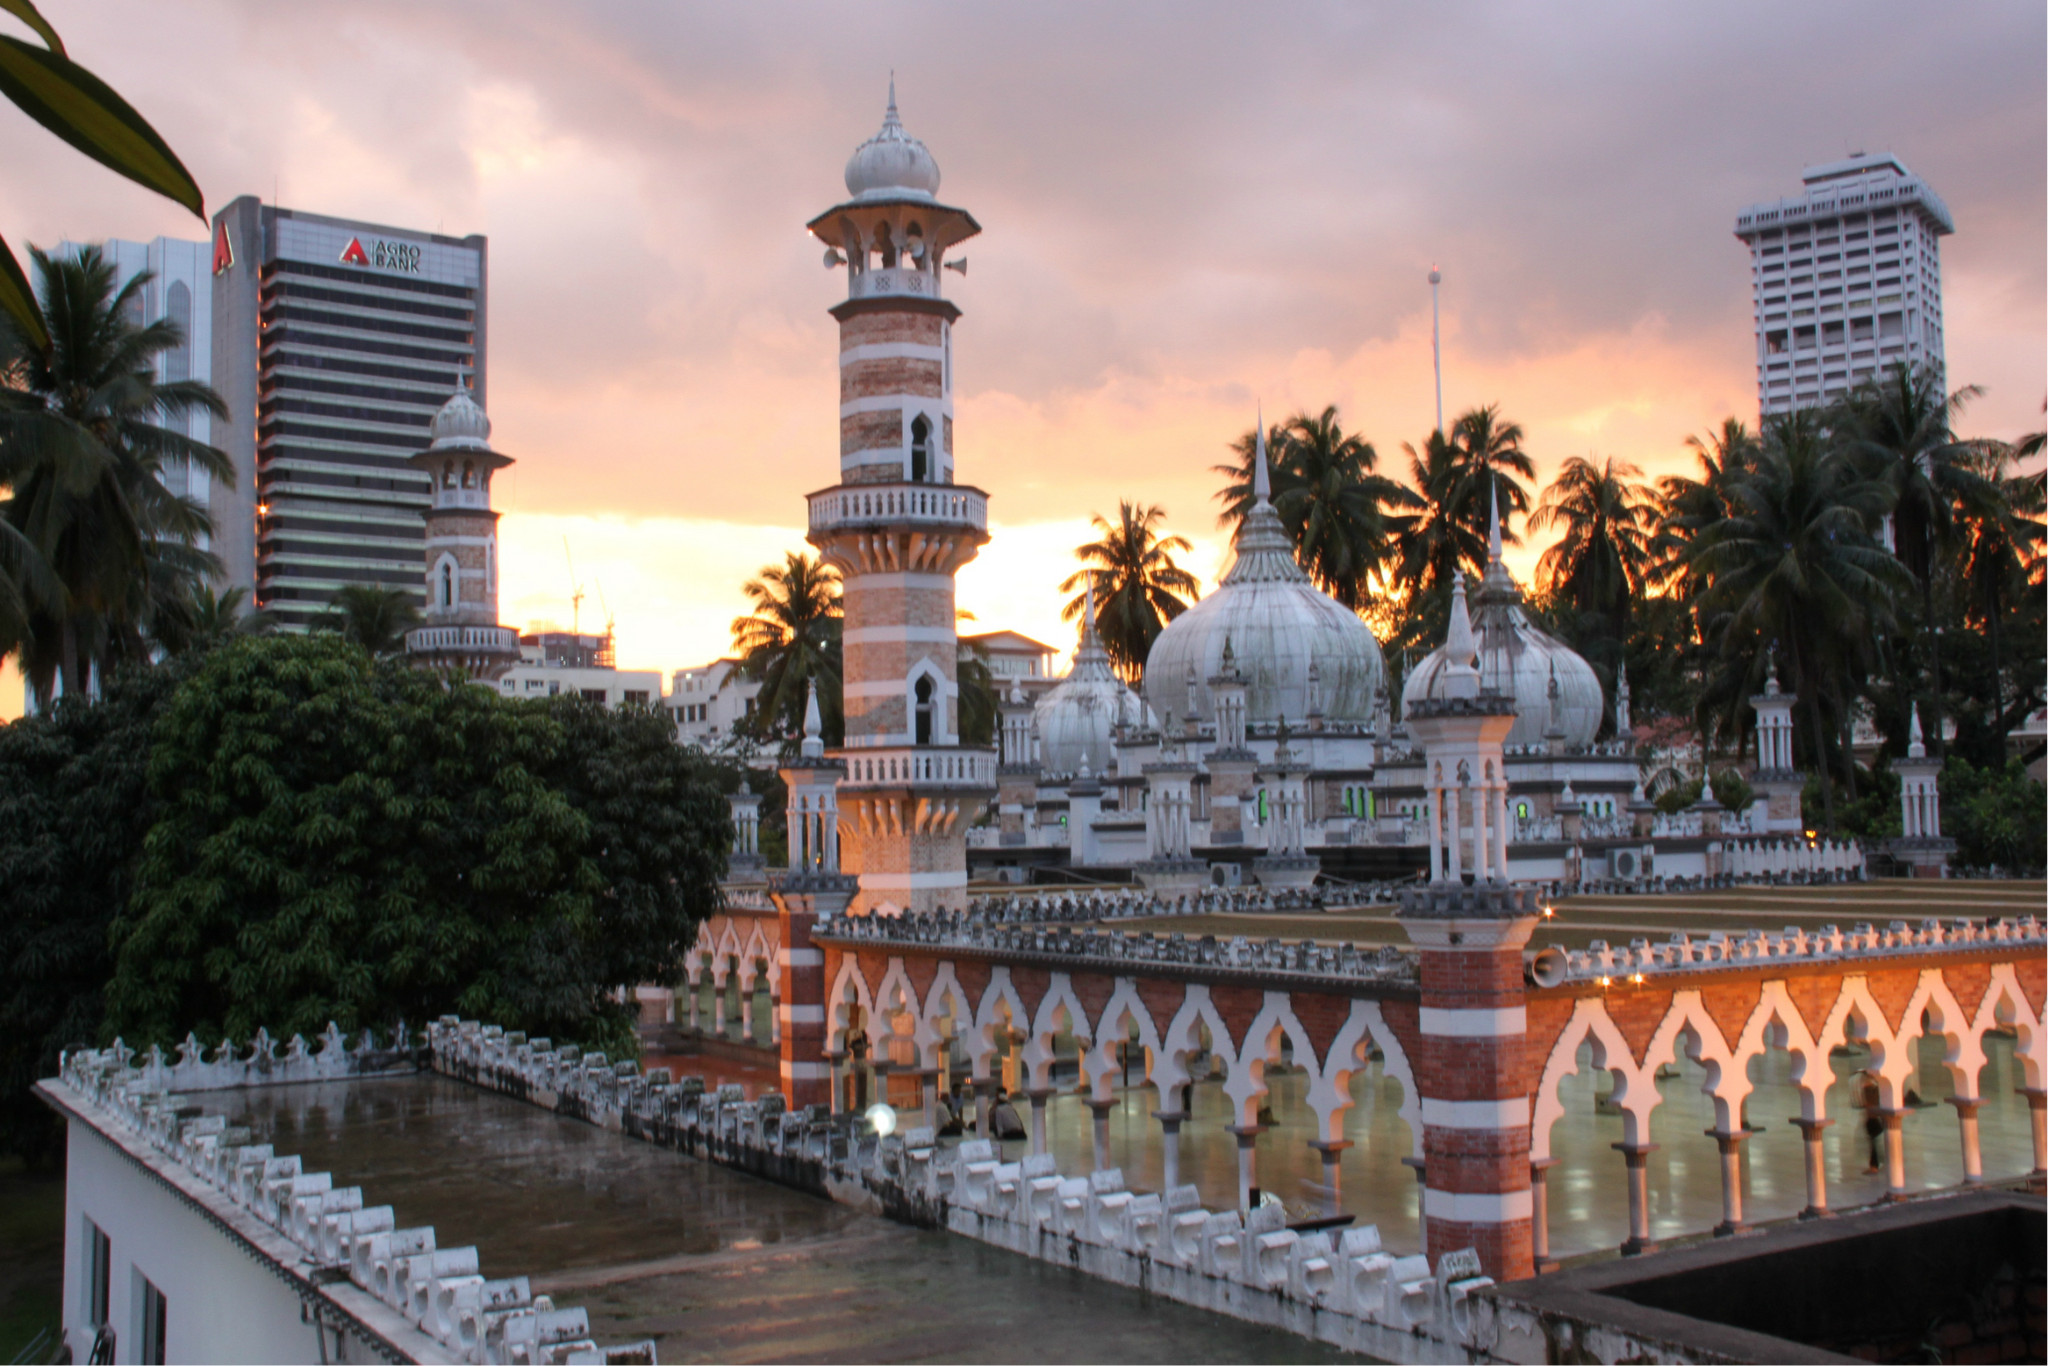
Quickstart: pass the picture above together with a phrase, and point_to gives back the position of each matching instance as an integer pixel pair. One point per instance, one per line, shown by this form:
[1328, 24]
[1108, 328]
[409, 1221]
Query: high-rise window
[152, 1321]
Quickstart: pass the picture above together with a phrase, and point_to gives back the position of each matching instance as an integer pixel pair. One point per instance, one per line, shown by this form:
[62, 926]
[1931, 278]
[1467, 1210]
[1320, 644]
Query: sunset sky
[1189, 209]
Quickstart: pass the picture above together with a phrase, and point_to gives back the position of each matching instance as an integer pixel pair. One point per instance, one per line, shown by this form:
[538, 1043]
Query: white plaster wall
[222, 1305]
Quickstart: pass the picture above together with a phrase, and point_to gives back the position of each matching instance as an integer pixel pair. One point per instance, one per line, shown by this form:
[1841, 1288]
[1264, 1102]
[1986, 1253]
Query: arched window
[924, 710]
[1522, 810]
[1262, 806]
[468, 475]
[447, 584]
[921, 450]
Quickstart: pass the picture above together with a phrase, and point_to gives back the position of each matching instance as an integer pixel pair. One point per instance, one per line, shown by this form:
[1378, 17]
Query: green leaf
[16, 296]
[28, 14]
[84, 111]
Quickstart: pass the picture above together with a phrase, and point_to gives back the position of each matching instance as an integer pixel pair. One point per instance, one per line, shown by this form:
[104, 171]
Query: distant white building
[554, 662]
[1015, 658]
[1847, 280]
[710, 701]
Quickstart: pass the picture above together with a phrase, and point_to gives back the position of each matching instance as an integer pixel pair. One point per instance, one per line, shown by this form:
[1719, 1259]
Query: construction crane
[575, 592]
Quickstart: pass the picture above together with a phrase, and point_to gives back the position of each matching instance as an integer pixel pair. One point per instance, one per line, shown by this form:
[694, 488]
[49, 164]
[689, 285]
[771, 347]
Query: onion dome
[461, 424]
[1077, 719]
[892, 164]
[1518, 660]
[1301, 651]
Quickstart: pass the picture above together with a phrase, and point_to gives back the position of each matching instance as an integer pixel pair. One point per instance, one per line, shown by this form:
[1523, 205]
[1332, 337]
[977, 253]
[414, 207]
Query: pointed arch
[1589, 1023]
[1124, 1005]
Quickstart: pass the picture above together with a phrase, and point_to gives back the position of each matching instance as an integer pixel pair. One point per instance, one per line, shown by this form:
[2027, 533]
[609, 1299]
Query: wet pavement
[715, 1265]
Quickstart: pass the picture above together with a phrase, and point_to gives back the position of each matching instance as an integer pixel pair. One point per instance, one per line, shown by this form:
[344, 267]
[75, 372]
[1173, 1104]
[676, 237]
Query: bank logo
[382, 255]
[223, 248]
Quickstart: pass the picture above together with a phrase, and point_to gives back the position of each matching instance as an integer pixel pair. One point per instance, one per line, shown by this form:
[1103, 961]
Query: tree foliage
[1139, 585]
[791, 642]
[75, 803]
[370, 844]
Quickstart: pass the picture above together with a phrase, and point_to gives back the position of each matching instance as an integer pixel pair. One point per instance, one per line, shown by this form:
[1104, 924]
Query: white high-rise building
[1847, 280]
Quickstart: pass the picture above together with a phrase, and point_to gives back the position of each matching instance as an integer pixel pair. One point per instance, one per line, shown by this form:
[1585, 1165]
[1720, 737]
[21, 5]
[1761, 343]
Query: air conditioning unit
[1628, 864]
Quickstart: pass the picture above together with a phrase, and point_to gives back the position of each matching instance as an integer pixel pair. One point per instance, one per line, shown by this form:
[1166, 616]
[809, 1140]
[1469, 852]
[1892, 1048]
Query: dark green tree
[368, 844]
[75, 804]
[372, 617]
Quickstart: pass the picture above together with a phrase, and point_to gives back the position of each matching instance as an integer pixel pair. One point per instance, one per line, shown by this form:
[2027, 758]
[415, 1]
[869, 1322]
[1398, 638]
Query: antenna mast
[1436, 343]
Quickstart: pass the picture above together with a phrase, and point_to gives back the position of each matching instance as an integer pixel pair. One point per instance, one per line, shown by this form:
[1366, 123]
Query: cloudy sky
[1189, 209]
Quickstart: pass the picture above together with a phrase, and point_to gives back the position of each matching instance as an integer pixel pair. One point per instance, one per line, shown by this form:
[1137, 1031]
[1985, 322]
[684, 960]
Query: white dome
[1278, 625]
[1518, 660]
[460, 425]
[892, 164]
[1078, 718]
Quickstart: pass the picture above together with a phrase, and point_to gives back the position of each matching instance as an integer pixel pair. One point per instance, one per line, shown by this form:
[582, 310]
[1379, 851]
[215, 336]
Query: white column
[1436, 832]
[1500, 826]
[1456, 833]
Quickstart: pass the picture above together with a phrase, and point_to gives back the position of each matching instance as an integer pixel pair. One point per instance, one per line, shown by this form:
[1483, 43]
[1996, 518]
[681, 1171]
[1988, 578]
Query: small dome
[1301, 651]
[461, 424]
[1077, 720]
[1519, 660]
[892, 164]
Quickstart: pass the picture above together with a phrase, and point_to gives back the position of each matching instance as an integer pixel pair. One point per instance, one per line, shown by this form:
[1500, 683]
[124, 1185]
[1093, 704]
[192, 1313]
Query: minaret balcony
[893, 282]
[850, 506]
[921, 766]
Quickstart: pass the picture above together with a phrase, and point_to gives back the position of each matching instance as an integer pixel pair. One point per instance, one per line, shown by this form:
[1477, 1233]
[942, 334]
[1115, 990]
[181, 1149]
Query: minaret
[1776, 782]
[1920, 846]
[461, 616]
[898, 529]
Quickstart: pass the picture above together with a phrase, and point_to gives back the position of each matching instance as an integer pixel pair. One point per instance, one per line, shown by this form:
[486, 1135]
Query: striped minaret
[1471, 1068]
[898, 529]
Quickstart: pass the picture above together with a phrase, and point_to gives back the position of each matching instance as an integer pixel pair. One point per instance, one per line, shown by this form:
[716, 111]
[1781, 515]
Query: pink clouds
[1188, 210]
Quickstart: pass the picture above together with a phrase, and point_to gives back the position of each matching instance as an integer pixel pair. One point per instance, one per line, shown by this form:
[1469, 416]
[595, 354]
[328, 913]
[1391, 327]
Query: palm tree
[1436, 541]
[1601, 561]
[1330, 498]
[207, 619]
[1686, 506]
[1139, 587]
[789, 641]
[86, 436]
[1904, 429]
[1489, 457]
[375, 618]
[1794, 562]
[2002, 545]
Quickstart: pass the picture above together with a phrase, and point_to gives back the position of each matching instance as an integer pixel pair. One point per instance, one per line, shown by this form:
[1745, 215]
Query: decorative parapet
[259, 1197]
[1342, 1288]
[1717, 951]
[1343, 965]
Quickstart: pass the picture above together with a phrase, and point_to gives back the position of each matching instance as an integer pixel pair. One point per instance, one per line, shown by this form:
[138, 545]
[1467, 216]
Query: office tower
[334, 344]
[1847, 280]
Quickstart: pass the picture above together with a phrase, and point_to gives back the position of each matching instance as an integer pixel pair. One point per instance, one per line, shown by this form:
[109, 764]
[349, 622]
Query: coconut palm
[86, 436]
[790, 641]
[1903, 428]
[1686, 505]
[207, 618]
[1601, 560]
[1489, 457]
[1795, 562]
[375, 618]
[2002, 544]
[1338, 510]
[1139, 586]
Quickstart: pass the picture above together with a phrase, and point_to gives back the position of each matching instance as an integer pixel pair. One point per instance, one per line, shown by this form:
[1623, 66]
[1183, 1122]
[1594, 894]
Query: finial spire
[1459, 647]
[1262, 481]
[814, 727]
[1916, 742]
[1493, 532]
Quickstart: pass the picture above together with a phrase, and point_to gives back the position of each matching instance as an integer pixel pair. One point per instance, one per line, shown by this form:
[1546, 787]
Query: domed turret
[460, 425]
[1280, 628]
[1517, 659]
[892, 164]
[1077, 720]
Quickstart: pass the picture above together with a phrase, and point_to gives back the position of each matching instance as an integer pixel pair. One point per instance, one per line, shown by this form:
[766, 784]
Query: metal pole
[1436, 343]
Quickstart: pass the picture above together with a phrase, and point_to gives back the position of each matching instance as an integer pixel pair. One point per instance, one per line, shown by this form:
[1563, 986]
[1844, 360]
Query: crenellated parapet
[1719, 951]
[391, 1290]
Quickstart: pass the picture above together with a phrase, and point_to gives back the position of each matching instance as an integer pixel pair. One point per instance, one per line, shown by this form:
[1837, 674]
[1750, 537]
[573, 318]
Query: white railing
[897, 280]
[494, 639]
[934, 504]
[933, 766]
